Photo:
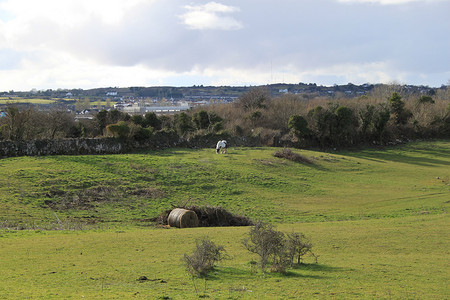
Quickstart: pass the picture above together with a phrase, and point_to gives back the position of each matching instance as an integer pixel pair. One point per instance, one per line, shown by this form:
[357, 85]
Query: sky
[51, 44]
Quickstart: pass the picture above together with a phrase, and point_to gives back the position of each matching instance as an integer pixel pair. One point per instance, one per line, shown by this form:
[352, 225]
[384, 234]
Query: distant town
[169, 100]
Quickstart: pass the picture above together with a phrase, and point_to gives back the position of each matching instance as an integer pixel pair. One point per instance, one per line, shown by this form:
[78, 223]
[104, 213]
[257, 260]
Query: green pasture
[378, 219]
[397, 258]
[131, 188]
[6, 100]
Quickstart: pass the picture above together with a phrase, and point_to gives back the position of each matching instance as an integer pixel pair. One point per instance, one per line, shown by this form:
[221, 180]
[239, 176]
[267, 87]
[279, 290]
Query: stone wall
[111, 145]
[60, 147]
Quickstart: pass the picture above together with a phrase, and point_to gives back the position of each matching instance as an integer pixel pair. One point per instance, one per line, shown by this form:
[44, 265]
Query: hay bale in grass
[182, 218]
[208, 216]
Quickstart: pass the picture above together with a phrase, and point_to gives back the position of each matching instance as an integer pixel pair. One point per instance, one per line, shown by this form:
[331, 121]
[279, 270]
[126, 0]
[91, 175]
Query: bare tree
[58, 123]
[15, 123]
[265, 241]
[255, 98]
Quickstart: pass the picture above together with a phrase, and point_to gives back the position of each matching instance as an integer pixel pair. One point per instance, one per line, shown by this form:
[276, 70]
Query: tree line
[385, 115]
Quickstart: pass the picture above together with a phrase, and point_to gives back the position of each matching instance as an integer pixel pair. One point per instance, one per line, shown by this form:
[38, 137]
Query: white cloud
[91, 43]
[69, 12]
[210, 16]
[56, 70]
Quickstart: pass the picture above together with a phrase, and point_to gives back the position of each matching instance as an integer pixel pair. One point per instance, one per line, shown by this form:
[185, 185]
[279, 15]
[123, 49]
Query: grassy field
[7, 100]
[378, 220]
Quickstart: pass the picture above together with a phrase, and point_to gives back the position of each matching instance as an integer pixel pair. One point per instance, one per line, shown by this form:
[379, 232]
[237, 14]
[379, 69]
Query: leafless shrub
[204, 257]
[264, 241]
[297, 245]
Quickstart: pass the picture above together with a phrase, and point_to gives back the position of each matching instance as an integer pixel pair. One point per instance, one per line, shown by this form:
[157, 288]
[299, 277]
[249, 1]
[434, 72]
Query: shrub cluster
[273, 247]
[386, 115]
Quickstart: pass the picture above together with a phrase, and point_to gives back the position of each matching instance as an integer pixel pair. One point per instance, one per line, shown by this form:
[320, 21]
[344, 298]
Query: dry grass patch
[290, 155]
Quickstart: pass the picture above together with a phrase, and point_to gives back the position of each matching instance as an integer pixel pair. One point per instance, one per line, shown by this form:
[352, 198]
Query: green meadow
[6, 100]
[378, 219]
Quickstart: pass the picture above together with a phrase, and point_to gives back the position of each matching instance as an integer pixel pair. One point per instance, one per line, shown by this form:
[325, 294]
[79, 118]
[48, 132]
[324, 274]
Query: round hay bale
[182, 218]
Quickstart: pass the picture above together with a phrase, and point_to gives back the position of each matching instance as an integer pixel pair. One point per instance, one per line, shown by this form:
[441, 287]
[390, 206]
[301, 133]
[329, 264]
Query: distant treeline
[388, 114]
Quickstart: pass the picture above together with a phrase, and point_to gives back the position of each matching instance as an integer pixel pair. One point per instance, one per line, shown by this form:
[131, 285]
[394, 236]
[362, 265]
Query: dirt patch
[84, 199]
[150, 192]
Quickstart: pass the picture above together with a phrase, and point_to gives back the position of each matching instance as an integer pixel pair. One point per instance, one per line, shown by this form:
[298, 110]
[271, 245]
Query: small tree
[297, 245]
[366, 116]
[398, 111]
[205, 255]
[16, 122]
[182, 123]
[255, 98]
[201, 119]
[57, 122]
[345, 124]
[101, 121]
[322, 122]
[380, 119]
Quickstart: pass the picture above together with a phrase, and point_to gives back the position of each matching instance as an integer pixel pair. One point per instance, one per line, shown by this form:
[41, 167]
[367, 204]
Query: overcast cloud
[97, 43]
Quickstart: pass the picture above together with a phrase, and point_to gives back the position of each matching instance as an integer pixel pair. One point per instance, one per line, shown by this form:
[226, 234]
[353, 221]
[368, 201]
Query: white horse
[221, 147]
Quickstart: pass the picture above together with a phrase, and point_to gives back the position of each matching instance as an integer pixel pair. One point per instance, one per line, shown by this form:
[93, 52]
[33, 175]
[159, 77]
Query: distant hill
[200, 91]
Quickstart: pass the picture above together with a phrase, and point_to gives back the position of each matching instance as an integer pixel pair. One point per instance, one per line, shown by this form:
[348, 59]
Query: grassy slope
[125, 188]
[392, 240]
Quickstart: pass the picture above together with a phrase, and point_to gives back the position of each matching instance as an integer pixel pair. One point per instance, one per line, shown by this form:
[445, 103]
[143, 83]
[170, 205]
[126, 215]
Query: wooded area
[387, 115]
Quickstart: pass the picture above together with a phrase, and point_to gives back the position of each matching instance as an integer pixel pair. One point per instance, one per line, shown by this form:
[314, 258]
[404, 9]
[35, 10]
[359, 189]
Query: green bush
[298, 125]
[142, 134]
[120, 129]
[425, 99]
[399, 113]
